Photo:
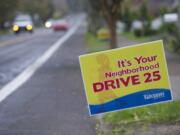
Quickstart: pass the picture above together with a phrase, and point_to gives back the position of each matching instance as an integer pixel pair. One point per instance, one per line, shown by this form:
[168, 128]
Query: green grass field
[158, 113]
[127, 121]
[132, 37]
[94, 44]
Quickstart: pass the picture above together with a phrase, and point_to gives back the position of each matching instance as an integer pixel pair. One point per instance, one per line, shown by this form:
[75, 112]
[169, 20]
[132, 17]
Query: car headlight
[48, 24]
[29, 27]
[15, 28]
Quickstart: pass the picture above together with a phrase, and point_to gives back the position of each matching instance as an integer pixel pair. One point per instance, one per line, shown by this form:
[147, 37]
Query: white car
[22, 23]
[170, 18]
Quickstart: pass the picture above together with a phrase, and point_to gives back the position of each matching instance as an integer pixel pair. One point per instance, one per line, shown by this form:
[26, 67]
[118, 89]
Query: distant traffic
[22, 23]
[57, 25]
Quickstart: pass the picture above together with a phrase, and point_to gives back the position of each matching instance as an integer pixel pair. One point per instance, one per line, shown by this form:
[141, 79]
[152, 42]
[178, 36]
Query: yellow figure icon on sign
[104, 66]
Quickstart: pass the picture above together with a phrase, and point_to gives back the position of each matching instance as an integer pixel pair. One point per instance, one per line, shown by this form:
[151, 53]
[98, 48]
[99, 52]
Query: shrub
[138, 32]
[174, 41]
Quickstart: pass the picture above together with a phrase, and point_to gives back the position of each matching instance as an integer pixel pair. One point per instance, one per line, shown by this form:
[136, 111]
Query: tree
[43, 8]
[110, 11]
[146, 18]
[127, 16]
[174, 40]
[7, 8]
[94, 17]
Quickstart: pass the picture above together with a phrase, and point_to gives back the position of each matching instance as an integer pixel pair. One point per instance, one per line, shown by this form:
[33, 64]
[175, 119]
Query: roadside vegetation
[138, 23]
[126, 121]
[94, 44]
[130, 36]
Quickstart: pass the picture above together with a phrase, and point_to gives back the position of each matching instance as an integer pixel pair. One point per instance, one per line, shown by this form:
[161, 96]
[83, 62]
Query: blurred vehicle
[22, 23]
[120, 26]
[103, 34]
[156, 23]
[170, 18]
[60, 25]
[49, 23]
[137, 25]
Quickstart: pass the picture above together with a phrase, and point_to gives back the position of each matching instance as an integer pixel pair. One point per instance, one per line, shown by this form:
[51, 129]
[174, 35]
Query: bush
[169, 28]
[174, 41]
[128, 17]
[137, 32]
[173, 37]
[146, 18]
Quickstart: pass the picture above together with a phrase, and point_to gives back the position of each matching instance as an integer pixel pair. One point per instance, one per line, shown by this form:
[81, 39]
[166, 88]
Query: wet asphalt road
[52, 101]
[16, 56]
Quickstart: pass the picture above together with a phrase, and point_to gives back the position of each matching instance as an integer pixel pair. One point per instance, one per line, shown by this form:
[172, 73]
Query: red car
[60, 25]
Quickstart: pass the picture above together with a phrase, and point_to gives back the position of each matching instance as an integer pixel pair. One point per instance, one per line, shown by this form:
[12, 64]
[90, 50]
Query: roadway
[52, 100]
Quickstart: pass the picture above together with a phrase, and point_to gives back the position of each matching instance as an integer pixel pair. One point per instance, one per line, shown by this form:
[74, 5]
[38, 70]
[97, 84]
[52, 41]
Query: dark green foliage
[7, 8]
[127, 17]
[138, 32]
[94, 16]
[169, 28]
[43, 8]
[174, 40]
[146, 18]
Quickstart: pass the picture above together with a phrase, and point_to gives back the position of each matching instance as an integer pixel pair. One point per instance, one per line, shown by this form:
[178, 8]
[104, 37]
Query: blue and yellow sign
[126, 77]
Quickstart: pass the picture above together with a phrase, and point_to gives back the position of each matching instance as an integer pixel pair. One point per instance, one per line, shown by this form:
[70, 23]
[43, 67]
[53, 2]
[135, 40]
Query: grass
[159, 113]
[143, 119]
[94, 44]
[132, 37]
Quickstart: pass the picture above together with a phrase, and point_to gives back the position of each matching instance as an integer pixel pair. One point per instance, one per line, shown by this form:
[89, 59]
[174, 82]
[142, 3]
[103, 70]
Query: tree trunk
[113, 34]
[110, 11]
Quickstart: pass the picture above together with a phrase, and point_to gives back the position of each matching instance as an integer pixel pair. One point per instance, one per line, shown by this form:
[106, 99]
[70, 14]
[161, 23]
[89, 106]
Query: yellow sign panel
[125, 77]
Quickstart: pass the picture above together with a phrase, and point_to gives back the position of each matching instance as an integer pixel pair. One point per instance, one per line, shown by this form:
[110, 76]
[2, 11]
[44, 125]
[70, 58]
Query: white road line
[29, 71]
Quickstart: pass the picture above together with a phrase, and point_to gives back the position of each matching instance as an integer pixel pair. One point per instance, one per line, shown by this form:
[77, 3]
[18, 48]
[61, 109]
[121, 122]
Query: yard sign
[126, 77]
